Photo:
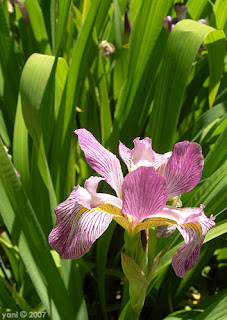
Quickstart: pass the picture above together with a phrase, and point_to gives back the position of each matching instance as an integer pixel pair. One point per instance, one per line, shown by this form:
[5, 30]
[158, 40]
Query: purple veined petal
[141, 155]
[184, 168]
[89, 198]
[143, 193]
[161, 160]
[165, 230]
[91, 184]
[188, 254]
[101, 160]
[180, 215]
[77, 228]
[125, 154]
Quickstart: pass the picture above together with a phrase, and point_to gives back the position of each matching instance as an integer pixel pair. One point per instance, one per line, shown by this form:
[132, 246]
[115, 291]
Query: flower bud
[106, 48]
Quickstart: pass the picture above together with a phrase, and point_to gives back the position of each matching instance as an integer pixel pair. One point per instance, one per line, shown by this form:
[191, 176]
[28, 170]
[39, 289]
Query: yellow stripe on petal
[194, 226]
[153, 222]
[118, 216]
[109, 208]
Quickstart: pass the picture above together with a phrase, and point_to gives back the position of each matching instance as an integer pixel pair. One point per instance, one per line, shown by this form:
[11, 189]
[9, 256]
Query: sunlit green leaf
[24, 228]
[183, 45]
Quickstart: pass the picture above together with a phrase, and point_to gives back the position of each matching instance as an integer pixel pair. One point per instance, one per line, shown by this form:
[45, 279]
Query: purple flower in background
[10, 157]
[23, 9]
[180, 9]
[140, 200]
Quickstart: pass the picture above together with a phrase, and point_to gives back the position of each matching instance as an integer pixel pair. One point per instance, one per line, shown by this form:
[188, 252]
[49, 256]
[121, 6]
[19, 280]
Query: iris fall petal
[143, 193]
[77, 228]
[193, 233]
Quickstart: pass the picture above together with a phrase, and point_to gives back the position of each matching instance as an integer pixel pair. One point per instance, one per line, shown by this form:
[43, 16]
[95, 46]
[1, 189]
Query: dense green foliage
[53, 79]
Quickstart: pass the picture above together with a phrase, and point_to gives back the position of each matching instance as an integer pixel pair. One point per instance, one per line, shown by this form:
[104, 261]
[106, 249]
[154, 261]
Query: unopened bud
[10, 7]
[23, 9]
[128, 26]
[106, 48]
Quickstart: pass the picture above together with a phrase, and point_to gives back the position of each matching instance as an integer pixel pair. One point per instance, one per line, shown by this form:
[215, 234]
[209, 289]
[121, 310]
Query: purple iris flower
[140, 200]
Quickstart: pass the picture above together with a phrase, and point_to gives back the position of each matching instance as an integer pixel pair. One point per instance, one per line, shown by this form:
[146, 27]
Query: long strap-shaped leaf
[64, 6]
[196, 8]
[216, 157]
[130, 113]
[65, 123]
[38, 26]
[181, 50]
[34, 81]
[203, 122]
[20, 146]
[25, 230]
[10, 69]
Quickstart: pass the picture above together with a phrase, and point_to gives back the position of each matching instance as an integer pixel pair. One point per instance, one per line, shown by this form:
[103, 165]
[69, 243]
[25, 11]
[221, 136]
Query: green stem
[152, 243]
[136, 314]
[139, 264]
[136, 250]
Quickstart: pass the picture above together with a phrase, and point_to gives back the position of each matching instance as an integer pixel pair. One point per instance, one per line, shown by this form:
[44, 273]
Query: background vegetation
[54, 79]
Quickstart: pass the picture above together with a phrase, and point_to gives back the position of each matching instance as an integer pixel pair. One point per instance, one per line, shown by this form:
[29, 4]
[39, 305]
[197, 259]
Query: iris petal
[143, 193]
[125, 154]
[184, 168]
[101, 160]
[89, 198]
[142, 155]
[77, 228]
[188, 254]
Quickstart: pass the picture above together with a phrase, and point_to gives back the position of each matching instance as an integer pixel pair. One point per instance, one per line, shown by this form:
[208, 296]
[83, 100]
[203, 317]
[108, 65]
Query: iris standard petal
[101, 160]
[161, 160]
[143, 193]
[77, 228]
[188, 254]
[142, 155]
[125, 154]
[184, 168]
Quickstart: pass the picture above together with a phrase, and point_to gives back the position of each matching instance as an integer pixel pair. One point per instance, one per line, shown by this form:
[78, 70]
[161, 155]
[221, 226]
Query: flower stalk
[139, 264]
